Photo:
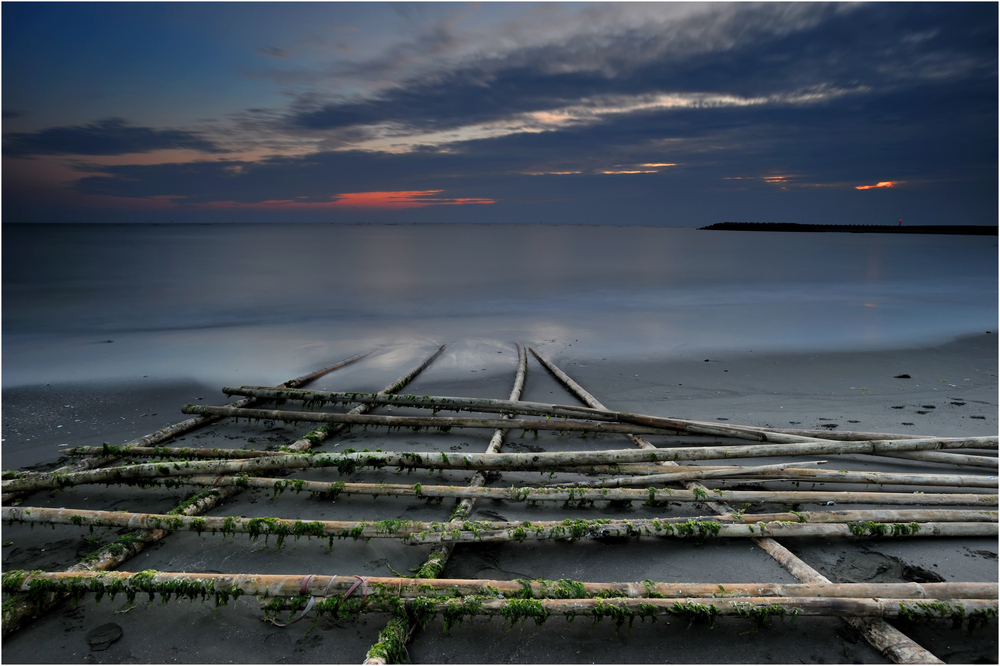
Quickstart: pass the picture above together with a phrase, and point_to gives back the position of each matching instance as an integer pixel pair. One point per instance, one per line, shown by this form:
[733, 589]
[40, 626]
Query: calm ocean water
[200, 301]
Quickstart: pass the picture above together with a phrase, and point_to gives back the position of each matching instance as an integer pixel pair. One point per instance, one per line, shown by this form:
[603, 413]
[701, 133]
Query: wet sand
[951, 391]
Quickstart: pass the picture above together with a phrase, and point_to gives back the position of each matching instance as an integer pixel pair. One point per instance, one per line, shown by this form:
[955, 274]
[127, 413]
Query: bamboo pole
[442, 422]
[437, 460]
[580, 494]
[878, 633]
[641, 473]
[435, 403]
[859, 515]
[642, 476]
[438, 558]
[559, 494]
[416, 532]
[453, 403]
[440, 460]
[699, 530]
[511, 494]
[693, 608]
[448, 403]
[305, 379]
[688, 474]
[319, 585]
[957, 459]
[169, 452]
[619, 609]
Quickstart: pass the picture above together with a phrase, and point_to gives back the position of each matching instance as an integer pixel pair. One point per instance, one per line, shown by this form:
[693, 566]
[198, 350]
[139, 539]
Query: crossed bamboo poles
[878, 633]
[458, 529]
[20, 610]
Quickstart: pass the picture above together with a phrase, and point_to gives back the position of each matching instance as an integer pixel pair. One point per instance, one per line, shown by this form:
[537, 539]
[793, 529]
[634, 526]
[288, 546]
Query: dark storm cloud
[876, 45]
[846, 141]
[112, 136]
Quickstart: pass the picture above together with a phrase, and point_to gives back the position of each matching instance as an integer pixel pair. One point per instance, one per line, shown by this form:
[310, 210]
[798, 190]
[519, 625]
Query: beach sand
[951, 391]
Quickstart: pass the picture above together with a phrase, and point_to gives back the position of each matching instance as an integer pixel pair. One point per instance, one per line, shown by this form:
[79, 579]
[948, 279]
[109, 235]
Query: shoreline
[837, 390]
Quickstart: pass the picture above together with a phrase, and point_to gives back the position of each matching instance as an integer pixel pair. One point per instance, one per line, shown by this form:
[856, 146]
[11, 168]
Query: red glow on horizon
[884, 183]
[383, 200]
[411, 199]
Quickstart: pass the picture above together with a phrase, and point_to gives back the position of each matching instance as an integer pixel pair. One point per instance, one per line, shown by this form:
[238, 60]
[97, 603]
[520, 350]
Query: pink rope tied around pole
[363, 582]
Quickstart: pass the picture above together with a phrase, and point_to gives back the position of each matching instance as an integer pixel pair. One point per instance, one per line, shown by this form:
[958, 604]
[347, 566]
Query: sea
[86, 302]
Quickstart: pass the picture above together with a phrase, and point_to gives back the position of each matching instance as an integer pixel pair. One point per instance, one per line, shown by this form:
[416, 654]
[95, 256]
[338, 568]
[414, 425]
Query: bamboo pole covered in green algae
[295, 585]
[349, 461]
[876, 631]
[641, 474]
[556, 494]
[416, 532]
[454, 609]
[579, 494]
[792, 475]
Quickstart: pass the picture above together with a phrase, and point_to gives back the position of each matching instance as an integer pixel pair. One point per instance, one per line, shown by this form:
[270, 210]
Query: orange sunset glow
[384, 200]
[411, 199]
[884, 183]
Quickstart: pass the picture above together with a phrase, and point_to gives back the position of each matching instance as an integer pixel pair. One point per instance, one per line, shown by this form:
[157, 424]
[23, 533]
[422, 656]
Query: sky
[675, 114]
